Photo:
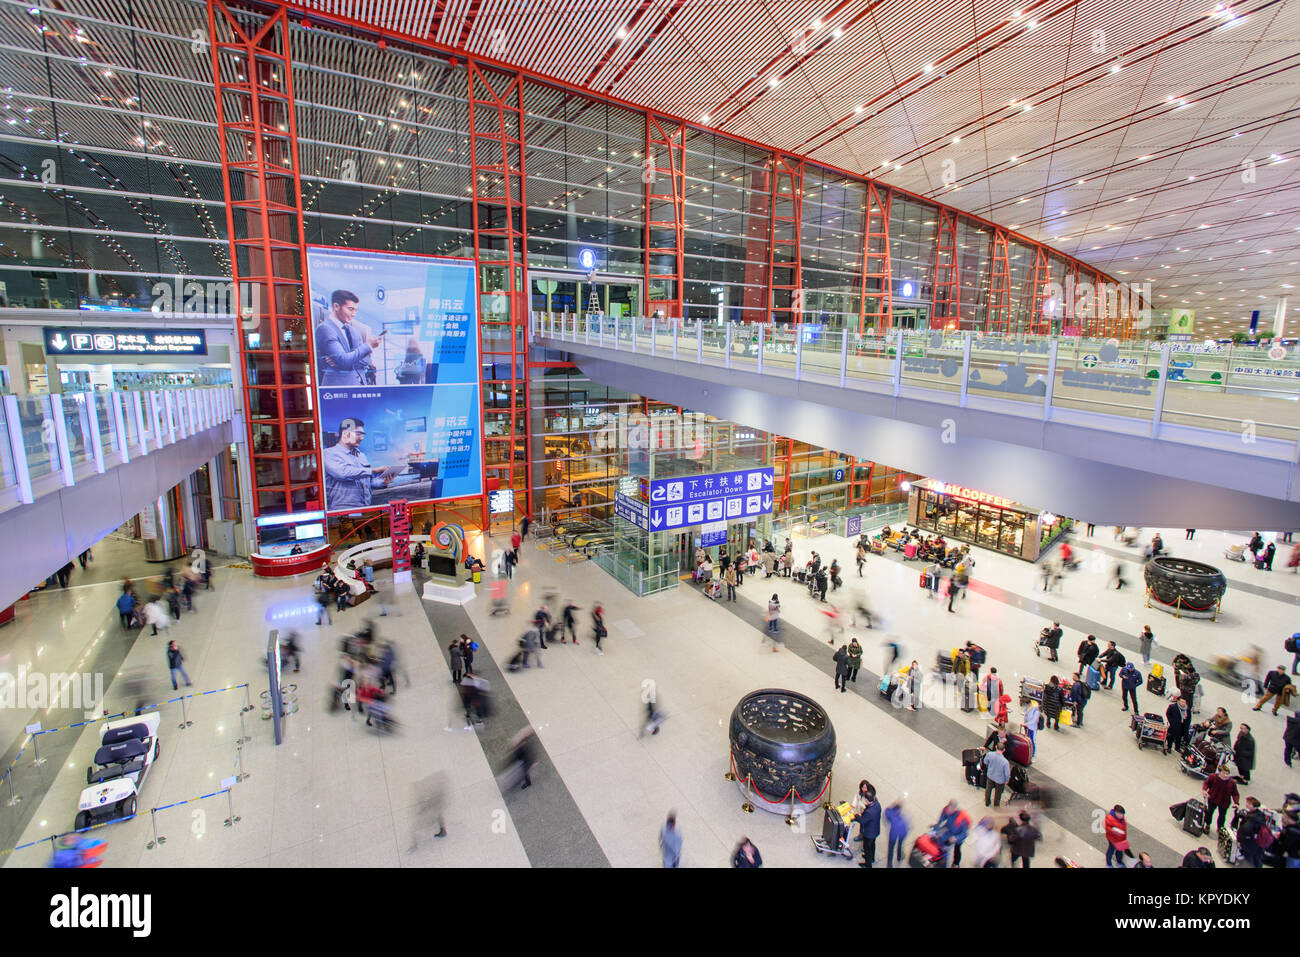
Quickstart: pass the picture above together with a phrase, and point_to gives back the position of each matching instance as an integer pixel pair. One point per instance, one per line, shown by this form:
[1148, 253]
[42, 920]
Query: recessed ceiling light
[705, 118]
[837, 32]
[956, 140]
[1115, 68]
[774, 81]
[928, 68]
[621, 33]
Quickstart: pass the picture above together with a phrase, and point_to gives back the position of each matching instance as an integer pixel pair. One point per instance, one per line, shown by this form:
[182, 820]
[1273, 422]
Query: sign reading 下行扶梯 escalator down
[715, 497]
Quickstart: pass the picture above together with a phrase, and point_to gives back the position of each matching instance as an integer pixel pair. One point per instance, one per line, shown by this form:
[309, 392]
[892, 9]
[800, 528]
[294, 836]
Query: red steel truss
[877, 307]
[999, 310]
[496, 155]
[664, 175]
[1039, 324]
[784, 267]
[253, 82]
[946, 309]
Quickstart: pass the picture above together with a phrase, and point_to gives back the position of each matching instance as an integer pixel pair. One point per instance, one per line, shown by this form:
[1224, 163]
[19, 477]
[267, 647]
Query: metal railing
[1175, 391]
[51, 441]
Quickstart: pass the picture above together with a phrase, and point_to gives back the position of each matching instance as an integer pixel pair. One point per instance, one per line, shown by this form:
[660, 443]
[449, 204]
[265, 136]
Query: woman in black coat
[1053, 698]
[1243, 754]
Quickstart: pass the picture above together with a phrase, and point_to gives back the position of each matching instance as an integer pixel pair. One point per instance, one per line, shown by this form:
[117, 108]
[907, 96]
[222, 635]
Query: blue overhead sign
[633, 509]
[716, 497]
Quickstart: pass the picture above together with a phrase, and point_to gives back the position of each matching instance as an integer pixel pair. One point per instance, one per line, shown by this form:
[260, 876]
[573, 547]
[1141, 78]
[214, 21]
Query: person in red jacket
[515, 541]
[1116, 837]
[1220, 791]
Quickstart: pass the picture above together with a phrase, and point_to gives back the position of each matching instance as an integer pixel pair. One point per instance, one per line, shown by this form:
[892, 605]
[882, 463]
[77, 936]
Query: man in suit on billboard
[342, 349]
[348, 473]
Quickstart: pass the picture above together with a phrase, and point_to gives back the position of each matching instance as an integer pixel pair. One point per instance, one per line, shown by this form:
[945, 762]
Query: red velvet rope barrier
[749, 781]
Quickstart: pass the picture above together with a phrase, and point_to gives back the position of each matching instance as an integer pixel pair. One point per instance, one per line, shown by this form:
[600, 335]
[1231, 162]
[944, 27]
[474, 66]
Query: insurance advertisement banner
[397, 372]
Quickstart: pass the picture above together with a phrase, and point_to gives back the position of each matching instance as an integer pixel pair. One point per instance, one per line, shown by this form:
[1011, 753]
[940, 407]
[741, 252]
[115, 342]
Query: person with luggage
[528, 648]
[1110, 661]
[1220, 790]
[1130, 679]
[1178, 720]
[997, 772]
[542, 622]
[855, 659]
[1243, 753]
[1087, 654]
[126, 609]
[866, 811]
[899, 825]
[1052, 640]
[976, 656]
[523, 757]
[1275, 684]
[860, 556]
[841, 659]
[1079, 695]
[1116, 837]
[950, 831]
[1053, 702]
[933, 576]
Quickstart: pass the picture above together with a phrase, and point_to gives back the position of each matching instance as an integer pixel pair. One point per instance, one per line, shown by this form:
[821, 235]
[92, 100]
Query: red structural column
[999, 310]
[496, 154]
[665, 215]
[784, 265]
[758, 234]
[947, 287]
[877, 306]
[257, 128]
[1039, 324]
[1069, 310]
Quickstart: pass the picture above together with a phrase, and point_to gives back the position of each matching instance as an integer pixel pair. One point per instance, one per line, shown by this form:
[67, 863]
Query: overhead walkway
[1132, 433]
[75, 466]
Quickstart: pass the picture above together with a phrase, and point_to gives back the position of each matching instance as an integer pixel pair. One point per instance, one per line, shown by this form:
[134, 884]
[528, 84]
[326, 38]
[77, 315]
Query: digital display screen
[316, 530]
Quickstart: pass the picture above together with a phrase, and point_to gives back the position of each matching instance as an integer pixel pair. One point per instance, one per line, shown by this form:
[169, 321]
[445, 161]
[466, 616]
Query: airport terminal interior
[659, 434]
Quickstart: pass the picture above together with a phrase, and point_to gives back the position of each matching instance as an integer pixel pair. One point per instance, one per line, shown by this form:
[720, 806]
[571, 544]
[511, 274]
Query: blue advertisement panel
[397, 373]
[390, 319]
[417, 443]
[715, 497]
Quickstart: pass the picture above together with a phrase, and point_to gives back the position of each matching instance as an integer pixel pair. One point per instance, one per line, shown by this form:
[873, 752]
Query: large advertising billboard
[397, 375]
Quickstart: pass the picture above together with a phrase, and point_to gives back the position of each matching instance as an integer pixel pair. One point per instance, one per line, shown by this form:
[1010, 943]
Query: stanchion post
[185, 717]
[14, 800]
[248, 705]
[747, 807]
[153, 823]
[789, 818]
[230, 805]
[242, 775]
[36, 750]
[239, 743]
[830, 777]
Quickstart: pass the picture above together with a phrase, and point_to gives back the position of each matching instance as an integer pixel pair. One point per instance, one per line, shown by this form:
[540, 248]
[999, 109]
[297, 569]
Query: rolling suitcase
[1094, 678]
[1019, 781]
[971, 762]
[1228, 848]
[516, 662]
[1196, 818]
[1156, 684]
[968, 694]
[887, 685]
[1019, 750]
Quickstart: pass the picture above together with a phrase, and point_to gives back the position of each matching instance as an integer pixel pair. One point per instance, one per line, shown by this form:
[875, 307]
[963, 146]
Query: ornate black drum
[782, 741]
[1184, 583]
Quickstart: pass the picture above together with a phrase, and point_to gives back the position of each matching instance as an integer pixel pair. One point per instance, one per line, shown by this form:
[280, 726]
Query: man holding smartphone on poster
[342, 350]
[348, 474]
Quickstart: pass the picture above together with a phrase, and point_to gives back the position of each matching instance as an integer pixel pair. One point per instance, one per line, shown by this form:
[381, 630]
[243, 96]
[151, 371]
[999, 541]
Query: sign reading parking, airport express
[715, 497]
[60, 340]
[632, 509]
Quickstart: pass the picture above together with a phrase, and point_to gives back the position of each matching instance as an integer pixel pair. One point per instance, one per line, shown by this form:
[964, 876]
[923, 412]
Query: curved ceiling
[1155, 141]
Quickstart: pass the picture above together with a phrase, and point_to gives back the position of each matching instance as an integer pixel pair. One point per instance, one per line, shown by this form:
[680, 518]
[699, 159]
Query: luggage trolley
[834, 838]
[1149, 729]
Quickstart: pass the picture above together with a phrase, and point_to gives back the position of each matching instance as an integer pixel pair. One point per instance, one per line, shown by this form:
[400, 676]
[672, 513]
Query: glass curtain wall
[834, 214]
[728, 196]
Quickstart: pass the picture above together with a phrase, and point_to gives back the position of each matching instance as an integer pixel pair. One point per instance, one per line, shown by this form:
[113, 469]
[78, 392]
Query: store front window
[977, 517]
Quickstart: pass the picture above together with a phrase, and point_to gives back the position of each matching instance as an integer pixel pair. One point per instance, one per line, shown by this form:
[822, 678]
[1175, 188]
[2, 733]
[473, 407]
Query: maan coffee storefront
[990, 521]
